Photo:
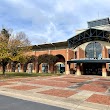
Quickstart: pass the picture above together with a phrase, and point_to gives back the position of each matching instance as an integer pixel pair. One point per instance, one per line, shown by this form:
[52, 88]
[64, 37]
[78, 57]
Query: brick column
[22, 65]
[80, 53]
[104, 72]
[40, 68]
[82, 69]
[104, 52]
[37, 67]
[105, 55]
[78, 69]
[51, 68]
[67, 66]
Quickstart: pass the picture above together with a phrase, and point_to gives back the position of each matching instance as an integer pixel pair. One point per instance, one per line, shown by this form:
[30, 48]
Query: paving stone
[94, 106]
[78, 77]
[108, 108]
[85, 93]
[108, 91]
[73, 101]
[93, 88]
[101, 99]
[54, 90]
[104, 79]
[77, 85]
[84, 108]
[103, 83]
[23, 87]
[4, 83]
[78, 97]
[71, 80]
[58, 92]
[51, 83]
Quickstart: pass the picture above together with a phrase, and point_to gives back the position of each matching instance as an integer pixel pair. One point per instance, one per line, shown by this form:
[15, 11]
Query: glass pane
[93, 50]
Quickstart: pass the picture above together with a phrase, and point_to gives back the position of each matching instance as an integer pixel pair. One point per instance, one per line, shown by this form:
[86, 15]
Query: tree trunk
[3, 67]
[25, 67]
[13, 66]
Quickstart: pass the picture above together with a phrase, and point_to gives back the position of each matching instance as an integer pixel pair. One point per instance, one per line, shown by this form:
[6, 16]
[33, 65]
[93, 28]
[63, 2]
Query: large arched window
[93, 50]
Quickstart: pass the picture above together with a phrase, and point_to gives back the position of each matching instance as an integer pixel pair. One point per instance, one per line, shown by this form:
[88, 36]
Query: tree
[13, 48]
[18, 46]
[4, 54]
[46, 58]
[30, 59]
[5, 33]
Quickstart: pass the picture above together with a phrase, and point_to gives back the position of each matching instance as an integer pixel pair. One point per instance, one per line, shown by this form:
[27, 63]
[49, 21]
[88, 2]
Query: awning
[107, 60]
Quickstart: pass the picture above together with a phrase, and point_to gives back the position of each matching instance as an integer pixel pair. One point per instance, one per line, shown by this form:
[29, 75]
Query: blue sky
[47, 21]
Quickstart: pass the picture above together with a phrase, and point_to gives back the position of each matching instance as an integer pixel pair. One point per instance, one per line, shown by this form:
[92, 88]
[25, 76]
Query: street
[8, 103]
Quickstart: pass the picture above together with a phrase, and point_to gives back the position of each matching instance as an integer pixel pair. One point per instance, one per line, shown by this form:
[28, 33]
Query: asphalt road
[9, 103]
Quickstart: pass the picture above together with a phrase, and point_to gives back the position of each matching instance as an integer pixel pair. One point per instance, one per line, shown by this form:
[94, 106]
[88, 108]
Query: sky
[48, 21]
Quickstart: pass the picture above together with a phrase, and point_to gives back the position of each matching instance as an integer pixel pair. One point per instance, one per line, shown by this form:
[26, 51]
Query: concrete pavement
[69, 92]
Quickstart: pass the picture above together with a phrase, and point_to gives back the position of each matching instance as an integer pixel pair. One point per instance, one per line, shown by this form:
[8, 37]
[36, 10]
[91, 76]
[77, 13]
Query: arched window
[93, 50]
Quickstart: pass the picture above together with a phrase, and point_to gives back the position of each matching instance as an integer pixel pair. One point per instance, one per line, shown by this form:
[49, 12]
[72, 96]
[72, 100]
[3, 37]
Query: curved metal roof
[90, 34]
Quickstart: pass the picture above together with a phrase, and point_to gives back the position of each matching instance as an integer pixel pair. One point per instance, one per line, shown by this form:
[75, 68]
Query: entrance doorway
[92, 68]
[60, 67]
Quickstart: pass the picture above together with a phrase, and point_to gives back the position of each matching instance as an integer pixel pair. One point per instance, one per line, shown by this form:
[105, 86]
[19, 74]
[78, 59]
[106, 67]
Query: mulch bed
[100, 99]
[94, 88]
[59, 93]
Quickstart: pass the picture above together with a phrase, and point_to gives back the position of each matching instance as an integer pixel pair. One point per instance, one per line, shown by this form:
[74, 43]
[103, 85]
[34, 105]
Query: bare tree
[19, 45]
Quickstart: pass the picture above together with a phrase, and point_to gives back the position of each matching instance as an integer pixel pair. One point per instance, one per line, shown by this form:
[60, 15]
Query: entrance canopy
[86, 60]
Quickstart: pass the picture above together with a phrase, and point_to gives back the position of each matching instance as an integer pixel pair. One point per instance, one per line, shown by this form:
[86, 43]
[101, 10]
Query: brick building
[88, 52]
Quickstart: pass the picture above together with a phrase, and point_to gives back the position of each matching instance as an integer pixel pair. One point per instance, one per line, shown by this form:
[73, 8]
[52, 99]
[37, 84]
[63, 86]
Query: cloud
[50, 20]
